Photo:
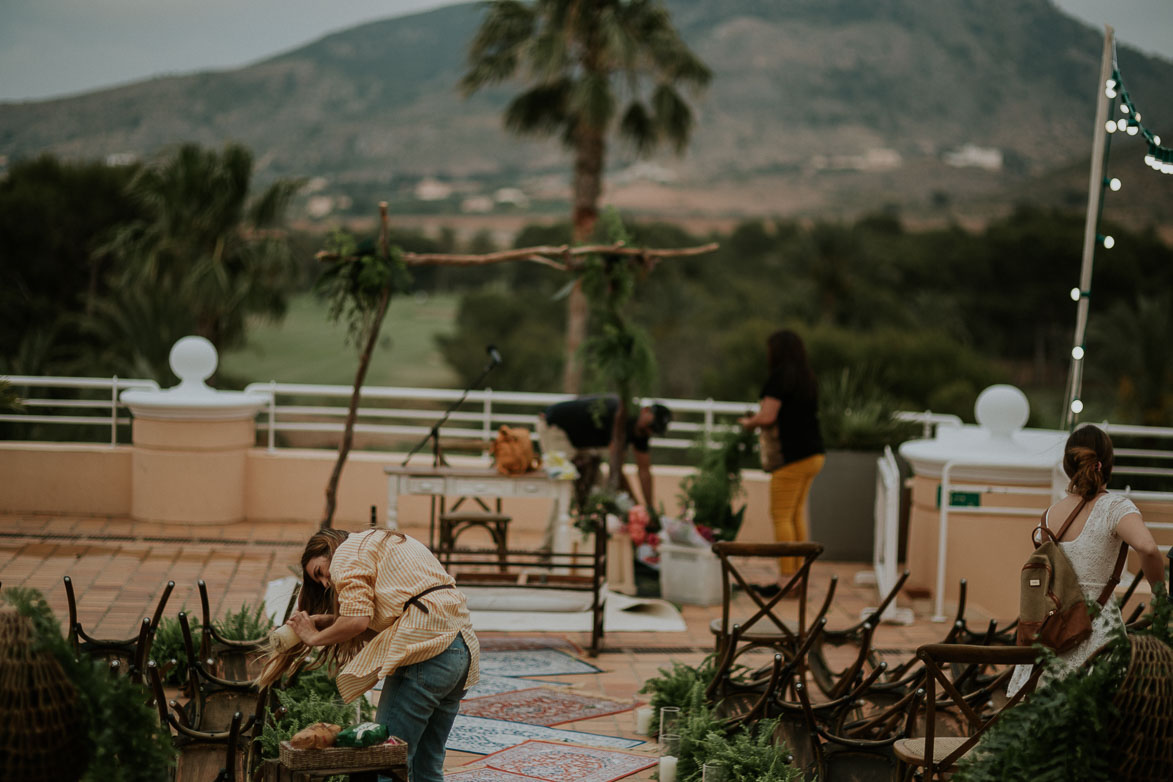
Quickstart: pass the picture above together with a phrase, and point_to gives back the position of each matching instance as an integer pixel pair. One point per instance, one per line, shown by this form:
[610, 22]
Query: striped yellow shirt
[375, 574]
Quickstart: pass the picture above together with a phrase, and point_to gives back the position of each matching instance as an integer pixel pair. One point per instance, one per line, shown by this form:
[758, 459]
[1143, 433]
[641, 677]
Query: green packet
[365, 734]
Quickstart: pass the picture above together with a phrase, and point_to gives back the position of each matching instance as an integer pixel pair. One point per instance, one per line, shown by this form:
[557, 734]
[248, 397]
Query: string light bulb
[1077, 352]
[1075, 294]
[1133, 128]
[1114, 184]
[1108, 241]
[1121, 124]
[1124, 108]
[1076, 406]
[1110, 88]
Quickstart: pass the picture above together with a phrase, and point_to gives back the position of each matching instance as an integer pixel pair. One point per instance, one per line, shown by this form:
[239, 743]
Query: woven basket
[1143, 735]
[344, 758]
[42, 728]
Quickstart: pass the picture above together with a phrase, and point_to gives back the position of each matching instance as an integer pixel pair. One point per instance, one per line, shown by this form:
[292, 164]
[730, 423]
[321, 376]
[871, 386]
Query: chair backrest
[213, 699]
[130, 653]
[937, 659]
[231, 657]
[795, 587]
[859, 750]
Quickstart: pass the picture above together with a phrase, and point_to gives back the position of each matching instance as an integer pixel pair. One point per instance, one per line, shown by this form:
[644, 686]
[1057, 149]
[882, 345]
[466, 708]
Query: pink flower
[638, 515]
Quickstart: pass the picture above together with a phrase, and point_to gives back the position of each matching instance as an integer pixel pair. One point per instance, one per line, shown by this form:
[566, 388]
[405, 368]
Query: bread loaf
[317, 736]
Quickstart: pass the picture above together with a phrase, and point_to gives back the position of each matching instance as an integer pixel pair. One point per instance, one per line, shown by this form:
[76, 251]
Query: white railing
[106, 411]
[928, 420]
[411, 412]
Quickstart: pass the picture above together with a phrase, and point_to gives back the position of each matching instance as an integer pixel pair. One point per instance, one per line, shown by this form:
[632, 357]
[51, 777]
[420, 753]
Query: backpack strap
[1110, 587]
[1063, 530]
[1043, 530]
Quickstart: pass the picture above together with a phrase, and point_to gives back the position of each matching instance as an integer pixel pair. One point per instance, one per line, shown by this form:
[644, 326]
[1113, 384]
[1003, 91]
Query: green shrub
[709, 492]
[301, 712]
[1060, 733]
[123, 741]
[247, 624]
[676, 687]
[854, 414]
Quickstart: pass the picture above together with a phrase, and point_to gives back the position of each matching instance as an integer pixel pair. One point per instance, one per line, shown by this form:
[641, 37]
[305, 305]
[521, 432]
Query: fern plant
[247, 624]
[1060, 734]
[301, 712]
[676, 687]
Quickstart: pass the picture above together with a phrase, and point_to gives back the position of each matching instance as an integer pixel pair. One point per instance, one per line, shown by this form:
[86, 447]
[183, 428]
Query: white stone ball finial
[1002, 409]
[193, 360]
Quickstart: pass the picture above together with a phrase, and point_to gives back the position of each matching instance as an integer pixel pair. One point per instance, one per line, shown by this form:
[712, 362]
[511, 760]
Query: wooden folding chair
[861, 750]
[938, 755]
[765, 628]
[206, 755]
[213, 699]
[832, 682]
[232, 658]
[131, 653]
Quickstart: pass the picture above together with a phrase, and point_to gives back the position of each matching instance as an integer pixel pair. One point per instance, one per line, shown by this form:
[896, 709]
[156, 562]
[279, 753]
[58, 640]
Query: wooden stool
[452, 524]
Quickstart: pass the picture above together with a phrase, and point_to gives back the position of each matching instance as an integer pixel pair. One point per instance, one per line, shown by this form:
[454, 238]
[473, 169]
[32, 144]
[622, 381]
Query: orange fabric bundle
[317, 736]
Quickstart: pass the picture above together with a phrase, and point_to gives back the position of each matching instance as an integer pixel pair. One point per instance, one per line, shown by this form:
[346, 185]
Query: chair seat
[912, 751]
[768, 632]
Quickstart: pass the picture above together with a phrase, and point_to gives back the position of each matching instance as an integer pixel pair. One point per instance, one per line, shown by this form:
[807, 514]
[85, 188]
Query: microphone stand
[434, 433]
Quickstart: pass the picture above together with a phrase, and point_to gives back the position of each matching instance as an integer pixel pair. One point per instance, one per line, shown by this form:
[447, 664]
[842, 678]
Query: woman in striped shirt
[385, 608]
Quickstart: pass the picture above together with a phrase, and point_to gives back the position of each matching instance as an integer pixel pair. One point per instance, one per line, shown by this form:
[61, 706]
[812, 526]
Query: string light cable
[1159, 157]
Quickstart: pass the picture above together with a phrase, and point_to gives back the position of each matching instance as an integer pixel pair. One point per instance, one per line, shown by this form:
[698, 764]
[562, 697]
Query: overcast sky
[59, 47]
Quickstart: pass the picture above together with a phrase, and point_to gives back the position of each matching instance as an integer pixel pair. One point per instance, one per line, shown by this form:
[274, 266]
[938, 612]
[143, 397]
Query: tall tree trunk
[589, 151]
[360, 377]
[618, 444]
[364, 364]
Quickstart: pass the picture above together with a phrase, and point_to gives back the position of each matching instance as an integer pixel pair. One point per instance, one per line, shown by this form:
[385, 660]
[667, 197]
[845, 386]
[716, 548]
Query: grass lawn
[307, 347]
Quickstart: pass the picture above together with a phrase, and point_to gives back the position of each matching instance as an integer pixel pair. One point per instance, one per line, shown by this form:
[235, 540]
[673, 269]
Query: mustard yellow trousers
[790, 486]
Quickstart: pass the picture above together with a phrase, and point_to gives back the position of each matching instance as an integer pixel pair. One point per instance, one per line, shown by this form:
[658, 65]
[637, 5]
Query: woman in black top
[792, 447]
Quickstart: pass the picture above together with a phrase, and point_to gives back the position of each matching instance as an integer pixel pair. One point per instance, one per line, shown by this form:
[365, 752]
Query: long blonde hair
[280, 658]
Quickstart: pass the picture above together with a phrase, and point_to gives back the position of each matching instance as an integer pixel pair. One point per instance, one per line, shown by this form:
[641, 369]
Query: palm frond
[495, 52]
[541, 110]
[673, 116]
[638, 127]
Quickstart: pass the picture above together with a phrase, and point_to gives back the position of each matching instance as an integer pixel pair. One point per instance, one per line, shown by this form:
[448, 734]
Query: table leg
[393, 502]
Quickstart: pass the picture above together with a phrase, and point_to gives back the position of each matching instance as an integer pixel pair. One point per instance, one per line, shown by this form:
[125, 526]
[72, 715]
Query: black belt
[414, 599]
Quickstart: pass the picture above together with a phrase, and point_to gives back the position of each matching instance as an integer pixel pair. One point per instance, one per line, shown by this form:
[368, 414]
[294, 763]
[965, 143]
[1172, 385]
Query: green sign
[961, 499]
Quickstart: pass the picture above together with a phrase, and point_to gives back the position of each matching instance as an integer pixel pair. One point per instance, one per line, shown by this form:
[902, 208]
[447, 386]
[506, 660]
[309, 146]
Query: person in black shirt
[791, 444]
[582, 428]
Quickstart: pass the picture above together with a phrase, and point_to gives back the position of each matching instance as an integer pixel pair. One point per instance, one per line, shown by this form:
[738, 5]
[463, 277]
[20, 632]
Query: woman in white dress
[1092, 543]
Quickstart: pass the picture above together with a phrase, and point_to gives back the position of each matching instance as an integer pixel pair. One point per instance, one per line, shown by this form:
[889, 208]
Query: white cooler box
[689, 574]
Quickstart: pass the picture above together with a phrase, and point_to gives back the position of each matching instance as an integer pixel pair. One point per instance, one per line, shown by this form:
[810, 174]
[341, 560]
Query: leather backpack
[1052, 610]
[513, 451]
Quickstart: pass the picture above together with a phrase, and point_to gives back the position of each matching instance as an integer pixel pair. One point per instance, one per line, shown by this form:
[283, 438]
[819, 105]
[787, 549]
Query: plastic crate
[689, 574]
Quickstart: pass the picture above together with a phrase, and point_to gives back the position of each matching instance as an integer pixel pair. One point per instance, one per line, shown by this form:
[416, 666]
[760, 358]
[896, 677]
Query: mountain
[814, 103]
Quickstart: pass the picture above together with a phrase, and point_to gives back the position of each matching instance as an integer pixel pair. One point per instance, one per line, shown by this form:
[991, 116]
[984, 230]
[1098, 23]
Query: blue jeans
[419, 703]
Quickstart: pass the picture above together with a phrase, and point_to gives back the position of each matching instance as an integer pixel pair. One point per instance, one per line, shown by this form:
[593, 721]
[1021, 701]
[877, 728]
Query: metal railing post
[272, 416]
[709, 422]
[114, 411]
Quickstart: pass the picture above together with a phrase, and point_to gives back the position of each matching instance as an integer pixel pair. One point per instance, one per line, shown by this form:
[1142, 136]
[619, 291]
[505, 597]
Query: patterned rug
[482, 736]
[541, 706]
[557, 762]
[534, 662]
[491, 684]
[485, 775]
[528, 642]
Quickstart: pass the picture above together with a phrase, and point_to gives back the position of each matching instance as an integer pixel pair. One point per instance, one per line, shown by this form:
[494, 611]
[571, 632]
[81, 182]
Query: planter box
[843, 504]
[689, 574]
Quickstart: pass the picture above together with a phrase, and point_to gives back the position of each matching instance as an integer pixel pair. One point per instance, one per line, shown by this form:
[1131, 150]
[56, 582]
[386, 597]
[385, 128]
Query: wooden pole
[1091, 224]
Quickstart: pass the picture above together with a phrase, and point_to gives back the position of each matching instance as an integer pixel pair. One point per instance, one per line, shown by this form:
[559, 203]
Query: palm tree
[582, 59]
[205, 247]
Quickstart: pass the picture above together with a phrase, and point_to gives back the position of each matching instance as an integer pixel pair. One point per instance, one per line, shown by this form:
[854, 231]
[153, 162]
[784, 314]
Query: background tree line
[105, 267]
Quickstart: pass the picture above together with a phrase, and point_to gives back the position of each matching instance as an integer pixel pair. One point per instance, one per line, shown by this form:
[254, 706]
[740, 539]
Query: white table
[432, 481]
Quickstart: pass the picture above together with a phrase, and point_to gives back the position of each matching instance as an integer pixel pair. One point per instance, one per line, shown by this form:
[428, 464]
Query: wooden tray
[340, 758]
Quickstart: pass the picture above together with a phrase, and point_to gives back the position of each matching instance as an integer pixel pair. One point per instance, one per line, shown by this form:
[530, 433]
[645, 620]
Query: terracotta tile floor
[119, 567]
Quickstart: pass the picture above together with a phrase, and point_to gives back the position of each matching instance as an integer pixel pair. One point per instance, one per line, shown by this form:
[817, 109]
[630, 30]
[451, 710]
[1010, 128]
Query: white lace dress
[1093, 557]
